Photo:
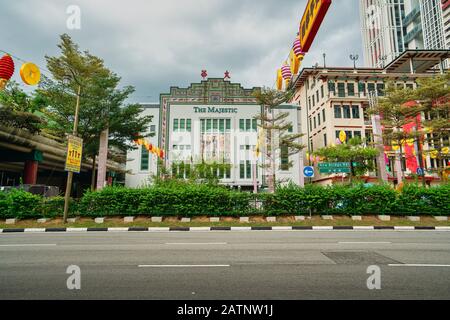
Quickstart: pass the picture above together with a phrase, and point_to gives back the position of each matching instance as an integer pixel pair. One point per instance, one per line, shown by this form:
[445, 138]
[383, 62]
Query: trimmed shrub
[21, 204]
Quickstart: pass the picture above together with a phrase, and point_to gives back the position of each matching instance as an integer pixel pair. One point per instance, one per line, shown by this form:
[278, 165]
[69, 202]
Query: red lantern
[6, 70]
[161, 154]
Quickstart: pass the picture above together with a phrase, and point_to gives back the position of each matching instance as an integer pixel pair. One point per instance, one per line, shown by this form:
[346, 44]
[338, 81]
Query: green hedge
[193, 199]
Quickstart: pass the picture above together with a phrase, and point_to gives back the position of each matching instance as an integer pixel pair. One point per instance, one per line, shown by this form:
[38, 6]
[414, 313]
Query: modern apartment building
[391, 26]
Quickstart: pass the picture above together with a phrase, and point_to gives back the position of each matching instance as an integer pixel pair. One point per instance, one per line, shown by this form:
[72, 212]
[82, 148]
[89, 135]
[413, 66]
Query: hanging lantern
[279, 80]
[6, 70]
[161, 154]
[297, 48]
[286, 72]
[294, 62]
[30, 73]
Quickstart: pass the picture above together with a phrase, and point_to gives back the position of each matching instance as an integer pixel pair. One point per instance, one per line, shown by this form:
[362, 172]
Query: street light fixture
[354, 58]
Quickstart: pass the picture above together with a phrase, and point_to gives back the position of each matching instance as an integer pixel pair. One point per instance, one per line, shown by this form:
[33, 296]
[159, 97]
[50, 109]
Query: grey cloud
[157, 44]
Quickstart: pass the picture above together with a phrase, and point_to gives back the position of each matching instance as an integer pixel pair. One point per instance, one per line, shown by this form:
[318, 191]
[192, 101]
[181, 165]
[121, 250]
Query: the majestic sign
[218, 110]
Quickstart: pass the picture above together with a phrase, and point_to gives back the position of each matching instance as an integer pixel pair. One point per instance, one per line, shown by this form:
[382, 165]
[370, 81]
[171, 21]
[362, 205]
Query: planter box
[128, 219]
[43, 220]
[157, 219]
[413, 218]
[357, 218]
[327, 217]
[384, 218]
[441, 218]
[244, 219]
[185, 220]
[214, 219]
[300, 218]
[99, 220]
[11, 221]
[271, 219]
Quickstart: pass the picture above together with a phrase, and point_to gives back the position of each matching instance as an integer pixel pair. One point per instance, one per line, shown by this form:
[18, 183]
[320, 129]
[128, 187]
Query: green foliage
[187, 199]
[20, 204]
[353, 151]
[17, 109]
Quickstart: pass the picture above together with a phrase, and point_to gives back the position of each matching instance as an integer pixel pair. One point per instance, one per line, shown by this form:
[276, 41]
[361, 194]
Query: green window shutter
[182, 124]
[284, 158]
[254, 125]
[175, 124]
[215, 125]
[242, 170]
[144, 159]
[188, 125]
[222, 125]
[228, 125]
[248, 123]
[208, 125]
[241, 124]
[249, 169]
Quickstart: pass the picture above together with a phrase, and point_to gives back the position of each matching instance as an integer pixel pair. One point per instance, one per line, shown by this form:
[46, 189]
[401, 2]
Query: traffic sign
[419, 172]
[308, 172]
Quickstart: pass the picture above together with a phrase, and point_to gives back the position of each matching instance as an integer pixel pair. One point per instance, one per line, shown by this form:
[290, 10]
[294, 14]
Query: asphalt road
[226, 265]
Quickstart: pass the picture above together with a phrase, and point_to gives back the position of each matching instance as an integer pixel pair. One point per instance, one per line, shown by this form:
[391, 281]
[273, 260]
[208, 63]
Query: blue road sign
[419, 171]
[308, 172]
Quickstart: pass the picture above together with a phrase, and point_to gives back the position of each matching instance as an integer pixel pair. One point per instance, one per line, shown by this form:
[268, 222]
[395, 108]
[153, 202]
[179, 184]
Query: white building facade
[211, 122]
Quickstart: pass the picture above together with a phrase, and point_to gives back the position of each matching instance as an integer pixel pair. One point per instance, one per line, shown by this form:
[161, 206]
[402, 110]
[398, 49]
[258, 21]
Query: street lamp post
[354, 58]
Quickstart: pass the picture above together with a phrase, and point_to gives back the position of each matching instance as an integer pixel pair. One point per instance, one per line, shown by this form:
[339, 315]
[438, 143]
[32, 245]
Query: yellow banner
[74, 153]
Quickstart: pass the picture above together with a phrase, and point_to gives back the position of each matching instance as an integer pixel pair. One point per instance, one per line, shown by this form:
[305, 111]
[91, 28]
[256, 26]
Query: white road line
[356, 242]
[419, 265]
[196, 243]
[186, 266]
[29, 245]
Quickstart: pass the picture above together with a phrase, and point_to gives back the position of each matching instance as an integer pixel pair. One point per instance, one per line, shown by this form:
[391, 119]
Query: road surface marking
[28, 245]
[355, 242]
[186, 266]
[419, 265]
[195, 243]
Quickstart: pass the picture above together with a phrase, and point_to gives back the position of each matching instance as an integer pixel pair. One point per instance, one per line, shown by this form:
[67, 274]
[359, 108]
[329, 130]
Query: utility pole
[70, 173]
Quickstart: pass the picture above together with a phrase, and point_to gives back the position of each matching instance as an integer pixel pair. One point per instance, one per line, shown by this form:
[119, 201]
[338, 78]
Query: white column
[102, 157]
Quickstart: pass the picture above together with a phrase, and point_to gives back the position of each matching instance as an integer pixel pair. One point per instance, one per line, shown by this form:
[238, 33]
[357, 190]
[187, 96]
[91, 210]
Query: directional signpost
[334, 167]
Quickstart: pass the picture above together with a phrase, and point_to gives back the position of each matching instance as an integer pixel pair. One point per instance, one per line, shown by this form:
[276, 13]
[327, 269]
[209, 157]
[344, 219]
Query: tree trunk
[102, 158]
[93, 173]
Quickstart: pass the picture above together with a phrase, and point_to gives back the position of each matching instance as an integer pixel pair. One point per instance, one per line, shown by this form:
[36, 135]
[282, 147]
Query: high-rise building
[382, 30]
[390, 27]
[446, 18]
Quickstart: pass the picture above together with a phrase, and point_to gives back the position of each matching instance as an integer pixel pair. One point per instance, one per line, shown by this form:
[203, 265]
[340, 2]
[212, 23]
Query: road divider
[208, 229]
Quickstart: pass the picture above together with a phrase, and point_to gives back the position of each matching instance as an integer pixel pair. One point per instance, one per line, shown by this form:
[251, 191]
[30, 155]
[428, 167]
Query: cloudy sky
[155, 44]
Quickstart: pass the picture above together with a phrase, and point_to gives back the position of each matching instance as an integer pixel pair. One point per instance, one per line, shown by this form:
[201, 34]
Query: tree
[101, 102]
[396, 111]
[275, 126]
[432, 95]
[354, 152]
[18, 109]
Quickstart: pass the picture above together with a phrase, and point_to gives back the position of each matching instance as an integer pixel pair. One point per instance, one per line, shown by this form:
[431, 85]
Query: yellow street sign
[74, 153]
